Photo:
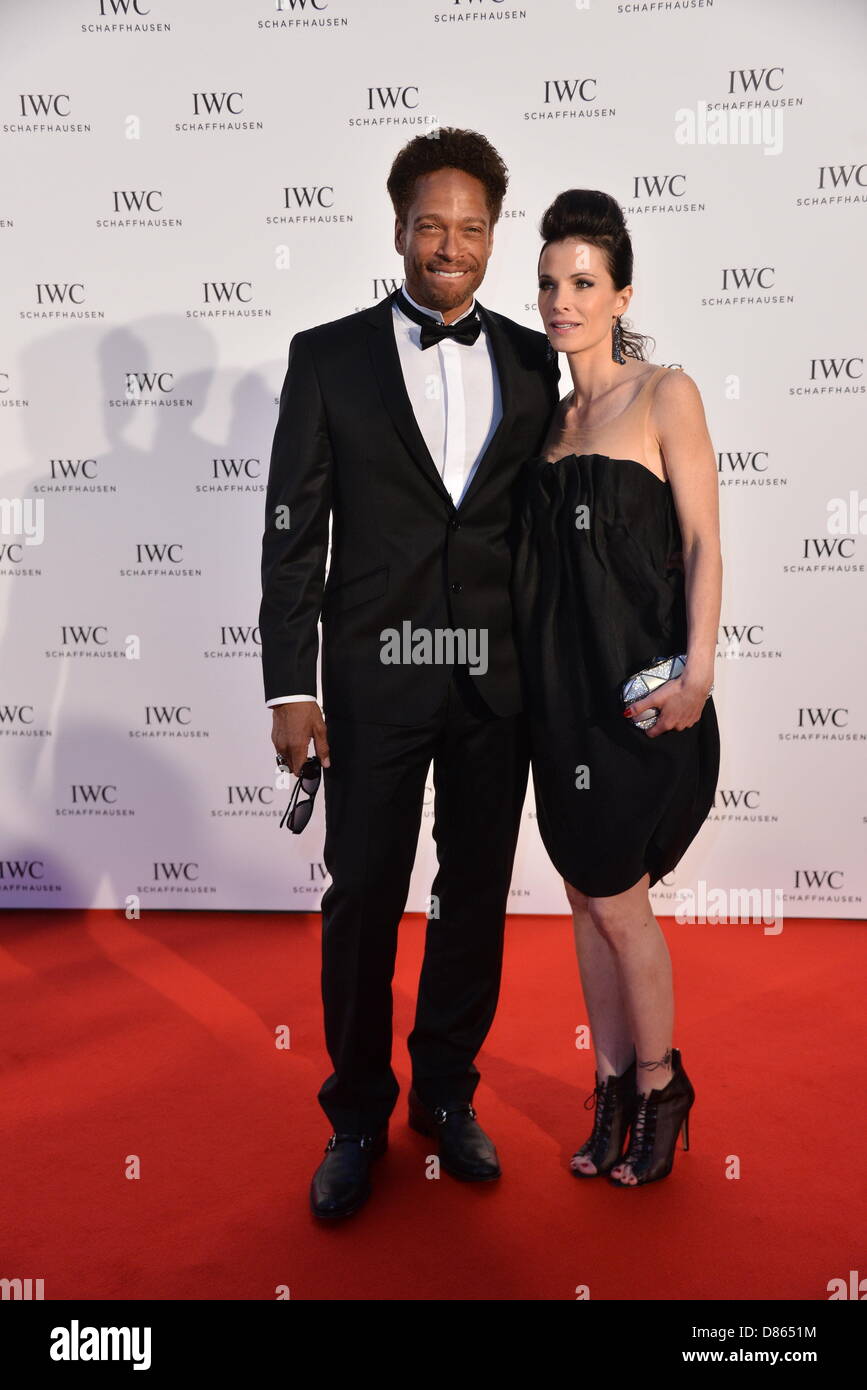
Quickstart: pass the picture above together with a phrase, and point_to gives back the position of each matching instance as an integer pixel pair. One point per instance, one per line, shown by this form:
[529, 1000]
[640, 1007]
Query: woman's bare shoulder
[675, 397]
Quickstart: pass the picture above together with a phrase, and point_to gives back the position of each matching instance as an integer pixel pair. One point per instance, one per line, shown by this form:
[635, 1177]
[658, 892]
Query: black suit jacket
[347, 442]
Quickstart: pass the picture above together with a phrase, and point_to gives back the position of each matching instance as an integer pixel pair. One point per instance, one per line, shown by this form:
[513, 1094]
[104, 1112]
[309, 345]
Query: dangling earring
[617, 342]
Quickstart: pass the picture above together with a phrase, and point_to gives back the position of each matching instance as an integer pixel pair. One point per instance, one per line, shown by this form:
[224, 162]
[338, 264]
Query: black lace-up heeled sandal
[659, 1118]
[615, 1101]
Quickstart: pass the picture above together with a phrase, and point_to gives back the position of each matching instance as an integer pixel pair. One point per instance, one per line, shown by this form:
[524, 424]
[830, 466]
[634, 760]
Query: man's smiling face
[446, 242]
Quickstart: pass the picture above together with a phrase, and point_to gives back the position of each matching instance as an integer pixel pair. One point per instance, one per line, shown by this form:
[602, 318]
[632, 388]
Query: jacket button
[455, 523]
[457, 586]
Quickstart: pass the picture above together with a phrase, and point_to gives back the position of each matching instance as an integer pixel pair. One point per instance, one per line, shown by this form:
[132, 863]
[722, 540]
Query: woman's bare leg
[607, 1014]
[638, 962]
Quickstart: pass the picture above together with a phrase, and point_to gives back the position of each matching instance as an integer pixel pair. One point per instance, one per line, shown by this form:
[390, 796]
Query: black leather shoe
[465, 1151]
[341, 1183]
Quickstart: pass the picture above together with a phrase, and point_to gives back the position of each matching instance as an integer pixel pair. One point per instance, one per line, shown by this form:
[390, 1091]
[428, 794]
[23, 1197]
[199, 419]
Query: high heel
[659, 1118]
[615, 1100]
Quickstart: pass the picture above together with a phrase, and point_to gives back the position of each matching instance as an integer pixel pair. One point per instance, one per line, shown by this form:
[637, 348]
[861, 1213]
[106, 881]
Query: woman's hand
[679, 701]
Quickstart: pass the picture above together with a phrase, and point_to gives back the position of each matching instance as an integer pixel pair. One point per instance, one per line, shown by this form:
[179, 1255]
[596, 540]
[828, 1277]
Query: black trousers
[374, 792]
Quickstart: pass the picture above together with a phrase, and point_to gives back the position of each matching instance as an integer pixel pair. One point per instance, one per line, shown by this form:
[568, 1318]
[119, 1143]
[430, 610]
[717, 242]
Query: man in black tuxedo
[408, 423]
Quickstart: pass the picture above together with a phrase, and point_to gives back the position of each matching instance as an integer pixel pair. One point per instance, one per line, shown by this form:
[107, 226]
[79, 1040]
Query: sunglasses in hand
[300, 807]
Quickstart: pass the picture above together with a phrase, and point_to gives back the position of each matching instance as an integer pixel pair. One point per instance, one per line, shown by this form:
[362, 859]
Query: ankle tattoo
[664, 1062]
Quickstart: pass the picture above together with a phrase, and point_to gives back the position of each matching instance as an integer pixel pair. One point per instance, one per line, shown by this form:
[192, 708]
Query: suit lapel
[386, 364]
[502, 351]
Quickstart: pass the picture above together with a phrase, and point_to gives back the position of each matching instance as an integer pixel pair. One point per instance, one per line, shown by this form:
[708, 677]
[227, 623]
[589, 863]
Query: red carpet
[157, 1039]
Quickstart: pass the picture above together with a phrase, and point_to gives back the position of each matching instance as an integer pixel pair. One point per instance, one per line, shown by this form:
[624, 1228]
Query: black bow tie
[466, 330]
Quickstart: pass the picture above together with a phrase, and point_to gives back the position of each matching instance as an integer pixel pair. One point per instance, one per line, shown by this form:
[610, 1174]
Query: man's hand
[293, 726]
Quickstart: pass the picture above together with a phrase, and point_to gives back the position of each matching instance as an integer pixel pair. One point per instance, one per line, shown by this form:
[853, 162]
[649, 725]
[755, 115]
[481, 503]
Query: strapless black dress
[593, 604]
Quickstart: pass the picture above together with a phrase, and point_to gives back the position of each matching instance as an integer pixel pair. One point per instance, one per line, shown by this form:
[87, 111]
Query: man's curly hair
[447, 147]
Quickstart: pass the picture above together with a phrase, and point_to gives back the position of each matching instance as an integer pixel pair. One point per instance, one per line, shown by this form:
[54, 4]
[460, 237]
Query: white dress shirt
[455, 393]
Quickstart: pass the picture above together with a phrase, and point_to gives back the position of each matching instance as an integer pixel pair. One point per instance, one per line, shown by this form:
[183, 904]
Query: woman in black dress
[618, 565]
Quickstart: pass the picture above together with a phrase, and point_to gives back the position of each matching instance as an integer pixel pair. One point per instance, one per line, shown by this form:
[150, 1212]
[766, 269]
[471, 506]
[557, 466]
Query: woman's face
[577, 298]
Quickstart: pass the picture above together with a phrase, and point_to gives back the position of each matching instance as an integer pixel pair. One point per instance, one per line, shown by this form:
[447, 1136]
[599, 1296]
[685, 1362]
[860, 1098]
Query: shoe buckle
[441, 1114]
[365, 1140]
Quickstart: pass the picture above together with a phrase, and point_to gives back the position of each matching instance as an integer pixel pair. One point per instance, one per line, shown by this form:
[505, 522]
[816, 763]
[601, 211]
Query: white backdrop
[186, 184]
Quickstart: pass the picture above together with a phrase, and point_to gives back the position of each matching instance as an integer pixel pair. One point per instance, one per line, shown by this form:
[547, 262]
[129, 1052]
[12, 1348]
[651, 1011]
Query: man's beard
[445, 293]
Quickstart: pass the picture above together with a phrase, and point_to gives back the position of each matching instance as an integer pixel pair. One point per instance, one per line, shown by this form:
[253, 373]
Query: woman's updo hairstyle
[597, 218]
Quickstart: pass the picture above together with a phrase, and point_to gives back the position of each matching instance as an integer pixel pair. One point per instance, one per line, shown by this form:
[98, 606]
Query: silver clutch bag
[660, 670]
